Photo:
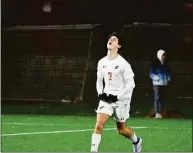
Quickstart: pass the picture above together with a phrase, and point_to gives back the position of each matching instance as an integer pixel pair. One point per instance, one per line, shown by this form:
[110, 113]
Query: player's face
[113, 43]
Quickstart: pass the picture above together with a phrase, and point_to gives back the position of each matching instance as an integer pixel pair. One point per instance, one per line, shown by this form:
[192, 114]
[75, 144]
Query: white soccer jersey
[118, 77]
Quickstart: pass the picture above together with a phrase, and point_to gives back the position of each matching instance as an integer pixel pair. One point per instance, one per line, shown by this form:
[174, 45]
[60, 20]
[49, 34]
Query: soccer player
[115, 96]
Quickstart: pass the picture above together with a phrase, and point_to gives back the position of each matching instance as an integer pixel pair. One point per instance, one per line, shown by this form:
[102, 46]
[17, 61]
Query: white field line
[70, 131]
[51, 124]
[56, 124]
[64, 131]
[37, 124]
[51, 132]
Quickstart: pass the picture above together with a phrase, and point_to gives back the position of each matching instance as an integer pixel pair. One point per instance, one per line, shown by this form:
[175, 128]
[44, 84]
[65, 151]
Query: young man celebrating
[115, 97]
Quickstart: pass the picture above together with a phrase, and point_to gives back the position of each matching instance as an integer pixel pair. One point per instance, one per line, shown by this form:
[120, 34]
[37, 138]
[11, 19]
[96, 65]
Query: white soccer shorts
[119, 110]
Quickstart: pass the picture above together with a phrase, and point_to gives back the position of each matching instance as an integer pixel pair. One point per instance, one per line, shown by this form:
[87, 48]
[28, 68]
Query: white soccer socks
[96, 139]
[133, 138]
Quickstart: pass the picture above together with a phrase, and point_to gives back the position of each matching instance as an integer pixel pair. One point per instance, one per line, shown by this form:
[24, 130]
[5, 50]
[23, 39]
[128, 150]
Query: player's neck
[111, 55]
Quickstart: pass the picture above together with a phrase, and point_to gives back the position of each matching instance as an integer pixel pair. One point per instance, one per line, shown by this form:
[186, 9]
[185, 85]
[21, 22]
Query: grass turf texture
[166, 135]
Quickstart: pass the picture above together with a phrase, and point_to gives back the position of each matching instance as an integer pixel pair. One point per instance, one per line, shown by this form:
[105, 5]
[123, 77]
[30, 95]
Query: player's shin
[96, 138]
[129, 134]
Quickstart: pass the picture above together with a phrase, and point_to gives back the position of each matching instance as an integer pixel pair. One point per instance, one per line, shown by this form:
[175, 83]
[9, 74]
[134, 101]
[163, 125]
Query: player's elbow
[130, 86]
[133, 86]
[99, 88]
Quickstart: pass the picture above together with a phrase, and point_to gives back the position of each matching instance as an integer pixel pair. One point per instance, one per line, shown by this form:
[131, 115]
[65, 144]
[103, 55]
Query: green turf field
[73, 134]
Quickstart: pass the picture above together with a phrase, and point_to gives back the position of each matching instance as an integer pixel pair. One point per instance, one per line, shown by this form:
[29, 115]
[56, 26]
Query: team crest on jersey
[116, 67]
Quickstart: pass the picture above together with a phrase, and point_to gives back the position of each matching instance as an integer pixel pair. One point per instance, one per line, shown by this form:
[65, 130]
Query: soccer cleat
[137, 146]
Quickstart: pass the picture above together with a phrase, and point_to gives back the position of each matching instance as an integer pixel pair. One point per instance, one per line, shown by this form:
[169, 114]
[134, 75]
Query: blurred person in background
[160, 76]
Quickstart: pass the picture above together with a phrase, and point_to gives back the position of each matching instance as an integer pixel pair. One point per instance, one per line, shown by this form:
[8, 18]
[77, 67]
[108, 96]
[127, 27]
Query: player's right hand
[103, 97]
[112, 98]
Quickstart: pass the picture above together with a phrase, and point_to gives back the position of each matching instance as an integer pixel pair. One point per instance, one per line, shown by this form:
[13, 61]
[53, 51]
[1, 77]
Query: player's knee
[99, 127]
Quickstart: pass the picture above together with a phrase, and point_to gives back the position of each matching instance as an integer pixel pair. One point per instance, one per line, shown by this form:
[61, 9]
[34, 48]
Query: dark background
[42, 65]
[22, 12]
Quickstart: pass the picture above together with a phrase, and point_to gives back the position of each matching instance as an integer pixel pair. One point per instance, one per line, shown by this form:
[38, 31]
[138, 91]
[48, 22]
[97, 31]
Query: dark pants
[159, 97]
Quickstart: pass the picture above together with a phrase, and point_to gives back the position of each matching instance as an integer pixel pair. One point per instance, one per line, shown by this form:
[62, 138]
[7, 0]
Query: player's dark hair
[116, 35]
[113, 34]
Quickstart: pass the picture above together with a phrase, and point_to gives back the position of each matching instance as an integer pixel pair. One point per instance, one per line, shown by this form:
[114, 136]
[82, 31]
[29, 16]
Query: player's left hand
[112, 98]
[103, 97]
